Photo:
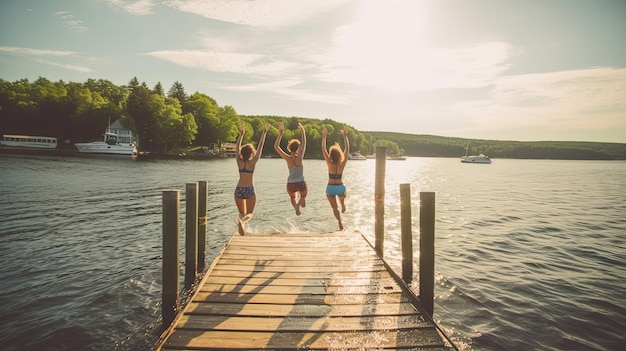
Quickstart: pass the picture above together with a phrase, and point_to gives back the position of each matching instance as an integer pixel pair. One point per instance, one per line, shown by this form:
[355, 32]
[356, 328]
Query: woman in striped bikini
[245, 197]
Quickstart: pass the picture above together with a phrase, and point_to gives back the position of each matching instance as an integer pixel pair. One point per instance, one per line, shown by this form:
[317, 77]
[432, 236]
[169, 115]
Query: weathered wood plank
[300, 289]
[302, 281]
[302, 324]
[367, 340]
[225, 297]
[301, 310]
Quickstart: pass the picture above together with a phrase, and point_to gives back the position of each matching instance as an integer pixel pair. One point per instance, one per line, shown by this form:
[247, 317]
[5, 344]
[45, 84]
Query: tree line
[175, 121]
[161, 121]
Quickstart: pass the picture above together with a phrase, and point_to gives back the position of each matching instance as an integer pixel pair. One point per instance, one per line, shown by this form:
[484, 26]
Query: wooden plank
[298, 299]
[301, 289]
[301, 310]
[301, 281]
[301, 324]
[366, 340]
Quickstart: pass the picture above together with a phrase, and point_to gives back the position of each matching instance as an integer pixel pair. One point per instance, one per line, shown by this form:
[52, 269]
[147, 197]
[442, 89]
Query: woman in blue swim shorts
[245, 197]
[336, 161]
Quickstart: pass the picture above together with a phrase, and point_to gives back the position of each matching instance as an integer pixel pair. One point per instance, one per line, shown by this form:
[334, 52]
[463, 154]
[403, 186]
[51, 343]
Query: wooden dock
[302, 292]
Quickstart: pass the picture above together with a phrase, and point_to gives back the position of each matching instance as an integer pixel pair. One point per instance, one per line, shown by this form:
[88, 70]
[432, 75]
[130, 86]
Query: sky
[522, 70]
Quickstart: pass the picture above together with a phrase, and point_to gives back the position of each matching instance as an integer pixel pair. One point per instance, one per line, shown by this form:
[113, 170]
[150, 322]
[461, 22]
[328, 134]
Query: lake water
[530, 254]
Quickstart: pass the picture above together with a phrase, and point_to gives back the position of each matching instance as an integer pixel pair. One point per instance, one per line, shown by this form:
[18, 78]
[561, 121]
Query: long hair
[336, 154]
[247, 152]
[293, 145]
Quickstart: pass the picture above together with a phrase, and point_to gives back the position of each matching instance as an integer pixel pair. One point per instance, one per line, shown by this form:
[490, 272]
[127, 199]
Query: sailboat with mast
[480, 158]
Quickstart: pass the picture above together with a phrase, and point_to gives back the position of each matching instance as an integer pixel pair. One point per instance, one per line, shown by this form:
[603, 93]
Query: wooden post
[171, 222]
[427, 250]
[202, 208]
[379, 200]
[407, 233]
[191, 238]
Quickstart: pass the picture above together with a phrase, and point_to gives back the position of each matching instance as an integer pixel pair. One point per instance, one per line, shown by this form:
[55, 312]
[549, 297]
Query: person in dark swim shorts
[296, 186]
[247, 158]
[336, 161]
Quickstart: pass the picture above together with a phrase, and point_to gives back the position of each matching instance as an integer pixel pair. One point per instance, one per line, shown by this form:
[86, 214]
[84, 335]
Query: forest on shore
[176, 122]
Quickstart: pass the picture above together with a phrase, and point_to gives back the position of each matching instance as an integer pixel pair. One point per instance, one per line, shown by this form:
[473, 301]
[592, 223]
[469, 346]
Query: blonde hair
[336, 154]
[293, 145]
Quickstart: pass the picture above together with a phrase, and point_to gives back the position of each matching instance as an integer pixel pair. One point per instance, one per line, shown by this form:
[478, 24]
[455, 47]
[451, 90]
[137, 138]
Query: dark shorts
[244, 192]
[293, 188]
[336, 190]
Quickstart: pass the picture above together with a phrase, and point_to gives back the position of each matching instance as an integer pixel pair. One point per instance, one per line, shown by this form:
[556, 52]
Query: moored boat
[29, 141]
[109, 145]
[480, 158]
[356, 156]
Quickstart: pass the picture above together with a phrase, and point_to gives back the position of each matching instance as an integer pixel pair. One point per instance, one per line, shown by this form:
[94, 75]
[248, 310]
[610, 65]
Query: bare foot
[297, 211]
[246, 218]
[302, 202]
[242, 231]
[340, 226]
[343, 208]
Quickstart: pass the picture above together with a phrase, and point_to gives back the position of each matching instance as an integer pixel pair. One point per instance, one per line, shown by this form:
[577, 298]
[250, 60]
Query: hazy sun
[383, 47]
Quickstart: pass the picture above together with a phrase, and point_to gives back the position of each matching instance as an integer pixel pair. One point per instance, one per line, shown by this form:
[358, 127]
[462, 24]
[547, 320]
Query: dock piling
[427, 250]
[379, 200]
[171, 220]
[407, 233]
[191, 238]
[202, 218]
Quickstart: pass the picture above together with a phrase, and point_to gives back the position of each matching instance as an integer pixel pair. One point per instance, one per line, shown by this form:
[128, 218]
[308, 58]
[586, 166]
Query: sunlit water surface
[530, 254]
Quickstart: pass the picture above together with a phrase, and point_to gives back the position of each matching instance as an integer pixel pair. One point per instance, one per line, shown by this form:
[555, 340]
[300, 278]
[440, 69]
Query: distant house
[230, 149]
[124, 135]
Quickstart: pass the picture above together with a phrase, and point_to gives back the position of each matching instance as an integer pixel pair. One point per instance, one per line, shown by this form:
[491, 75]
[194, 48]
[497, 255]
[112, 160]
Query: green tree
[392, 148]
[228, 124]
[175, 130]
[141, 109]
[204, 110]
[177, 91]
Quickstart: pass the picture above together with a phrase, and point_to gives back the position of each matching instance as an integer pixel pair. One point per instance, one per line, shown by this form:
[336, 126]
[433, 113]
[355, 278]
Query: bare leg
[303, 198]
[242, 231]
[333, 203]
[342, 200]
[295, 203]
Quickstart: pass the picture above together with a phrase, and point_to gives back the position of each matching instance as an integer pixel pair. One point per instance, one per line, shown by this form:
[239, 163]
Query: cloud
[475, 66]
[35, 52]
[290, 90]
[586, 99]
[43, 56]
[222, 62]
[65, 66]
[135, 7]
[70, 21]
[269, 14]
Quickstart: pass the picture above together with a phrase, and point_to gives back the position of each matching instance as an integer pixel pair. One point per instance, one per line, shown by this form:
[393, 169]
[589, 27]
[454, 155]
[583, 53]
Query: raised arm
[279, 150]
[242, 130]
[324, 149]
[303, 143]
[259, 150]
[346, 143]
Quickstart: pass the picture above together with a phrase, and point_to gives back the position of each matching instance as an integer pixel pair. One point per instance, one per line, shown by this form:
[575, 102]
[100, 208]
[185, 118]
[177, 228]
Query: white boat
[29, 141]
[110, 145]
[356, 156]
[480, 158]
